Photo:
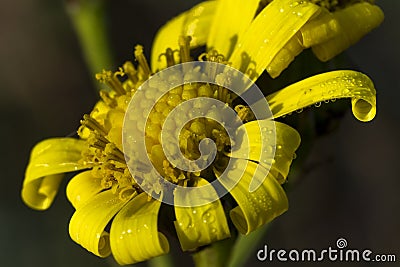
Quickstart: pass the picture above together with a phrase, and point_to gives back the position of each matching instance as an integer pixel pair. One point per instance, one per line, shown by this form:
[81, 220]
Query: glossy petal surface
[325, 87]
[49, 160]
[83, 187]
[263, 40]
[258, 141]
[258, 207]
[355, 21]
[201, 225]
[134, 234]
[231, 20]
[87, 225]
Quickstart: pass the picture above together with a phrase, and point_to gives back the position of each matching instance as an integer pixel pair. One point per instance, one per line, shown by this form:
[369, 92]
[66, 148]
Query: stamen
[112, 81]
[169, 56]
[131, 71]
[223, 94]
[113, 153]
[144, 66]
[105, 96]
[184, 48]
[114, 168]
[203, 57]
[214, 56]
[244, 113]
[98, 141]
[93, 125]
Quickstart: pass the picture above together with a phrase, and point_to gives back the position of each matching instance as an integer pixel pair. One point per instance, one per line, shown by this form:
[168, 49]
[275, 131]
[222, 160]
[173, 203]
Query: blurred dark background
[45, 87]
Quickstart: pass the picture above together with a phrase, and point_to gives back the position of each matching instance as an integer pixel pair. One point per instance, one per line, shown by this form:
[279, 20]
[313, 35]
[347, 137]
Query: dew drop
[299, 110]
[318, 104]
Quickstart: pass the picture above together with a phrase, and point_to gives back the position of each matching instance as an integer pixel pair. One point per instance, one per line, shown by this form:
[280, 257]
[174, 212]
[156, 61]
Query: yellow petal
[231, 19]
[83, 187]
[320, 29]
[269, 32]
[258, 207]
[49, 160]
[325, 87]
[285, 56]
[258, 141]
[200, 225]
[134, 235]
[355, 21]
[87, 225]
[195, 22]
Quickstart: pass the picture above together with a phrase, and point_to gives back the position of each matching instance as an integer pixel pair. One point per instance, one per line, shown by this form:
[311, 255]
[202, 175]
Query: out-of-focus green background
[45, 88]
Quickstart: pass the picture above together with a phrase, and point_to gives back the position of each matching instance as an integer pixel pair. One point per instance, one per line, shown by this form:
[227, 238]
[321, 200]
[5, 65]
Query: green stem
[161, 261]
[89, 20]
[216, 255]
[246, 245]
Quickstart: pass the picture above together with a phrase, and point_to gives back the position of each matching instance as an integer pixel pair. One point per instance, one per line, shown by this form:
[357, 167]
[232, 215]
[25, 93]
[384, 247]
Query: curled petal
[325, 87]
[263, 40]
[258, 141]
[195, 22]
[49, 160]
[134, 234]
[87, 225]
[258, 207]
[355, 21]
[320, 29]
[83, 187]
[231, 19]
[199, 225]
[285, 56]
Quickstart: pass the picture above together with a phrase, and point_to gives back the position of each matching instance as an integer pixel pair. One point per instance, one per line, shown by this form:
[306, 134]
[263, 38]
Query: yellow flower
[231, 28]
[113, 212]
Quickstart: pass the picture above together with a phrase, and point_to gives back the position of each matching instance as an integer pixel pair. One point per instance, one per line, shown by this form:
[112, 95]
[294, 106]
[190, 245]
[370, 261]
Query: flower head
[118, 204]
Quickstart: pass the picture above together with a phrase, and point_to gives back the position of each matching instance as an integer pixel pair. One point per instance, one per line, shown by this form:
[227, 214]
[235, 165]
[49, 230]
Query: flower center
[102, 129]
[191, 134]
